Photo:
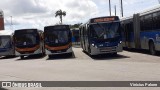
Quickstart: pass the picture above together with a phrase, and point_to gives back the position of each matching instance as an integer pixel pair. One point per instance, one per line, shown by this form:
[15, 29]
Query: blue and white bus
[101, 35]
[142, 31]
[6, 43]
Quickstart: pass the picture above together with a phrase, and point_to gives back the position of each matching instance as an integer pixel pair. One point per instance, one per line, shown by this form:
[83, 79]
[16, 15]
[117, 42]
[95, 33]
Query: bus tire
[50, 56]
[70, 54]
[89, 50]
[152, 48]
[10, 56]
[114, 54]
[22, 57]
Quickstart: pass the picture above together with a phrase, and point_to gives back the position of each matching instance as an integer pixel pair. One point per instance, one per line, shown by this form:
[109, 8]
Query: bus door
[123, 35]
[88, 37]
[84, 37]
[80, 34]
[136, 24]
[127, 36]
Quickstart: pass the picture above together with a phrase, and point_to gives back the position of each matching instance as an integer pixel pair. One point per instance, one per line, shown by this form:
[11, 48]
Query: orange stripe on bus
[28, 49]
[58, 48]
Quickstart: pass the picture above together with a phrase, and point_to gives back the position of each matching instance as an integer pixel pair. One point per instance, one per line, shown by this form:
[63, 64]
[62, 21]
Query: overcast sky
[40, 13]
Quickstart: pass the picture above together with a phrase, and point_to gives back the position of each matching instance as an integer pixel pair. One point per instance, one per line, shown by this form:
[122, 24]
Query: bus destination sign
[103, 19]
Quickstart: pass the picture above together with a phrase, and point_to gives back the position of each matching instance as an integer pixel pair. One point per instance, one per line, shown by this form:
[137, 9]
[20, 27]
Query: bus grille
[108, 49]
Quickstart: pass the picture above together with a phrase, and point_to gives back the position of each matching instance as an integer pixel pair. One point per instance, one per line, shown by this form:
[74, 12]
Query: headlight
[120, 42]
[93, 44]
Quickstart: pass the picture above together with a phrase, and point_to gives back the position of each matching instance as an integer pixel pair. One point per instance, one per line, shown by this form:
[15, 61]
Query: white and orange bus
[57, 40]
[28, 42]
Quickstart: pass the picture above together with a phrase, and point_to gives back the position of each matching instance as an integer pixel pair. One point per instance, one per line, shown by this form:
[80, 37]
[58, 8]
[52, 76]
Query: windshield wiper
[110, 26]
[112, 23]
[104, 29]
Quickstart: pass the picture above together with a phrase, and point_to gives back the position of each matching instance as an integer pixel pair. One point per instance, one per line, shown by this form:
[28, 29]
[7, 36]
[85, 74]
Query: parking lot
[126, 66]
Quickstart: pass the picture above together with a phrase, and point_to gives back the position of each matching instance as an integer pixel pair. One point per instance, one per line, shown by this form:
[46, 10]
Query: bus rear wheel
[152, 48]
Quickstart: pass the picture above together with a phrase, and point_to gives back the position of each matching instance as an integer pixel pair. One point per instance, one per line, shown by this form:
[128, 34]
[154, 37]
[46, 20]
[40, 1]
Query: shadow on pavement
[7, 57]
[3, 89]
[106, 56]
[62, 56]
[32, 57]
[142, 51]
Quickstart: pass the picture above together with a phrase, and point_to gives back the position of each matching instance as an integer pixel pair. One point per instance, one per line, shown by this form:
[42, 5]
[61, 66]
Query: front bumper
[69, 50]
[104, 50]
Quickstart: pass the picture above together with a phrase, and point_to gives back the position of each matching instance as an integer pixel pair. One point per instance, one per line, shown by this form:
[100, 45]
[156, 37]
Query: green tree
[60, 13]
[76, 25]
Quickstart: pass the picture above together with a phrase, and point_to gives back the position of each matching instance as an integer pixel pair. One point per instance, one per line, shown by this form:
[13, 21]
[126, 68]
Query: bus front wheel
[50, 56]
[152, 48]
[22, 57]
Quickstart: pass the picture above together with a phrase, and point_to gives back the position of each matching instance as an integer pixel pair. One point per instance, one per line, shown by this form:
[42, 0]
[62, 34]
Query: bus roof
[103, 17]
[6, 32]
[151, 10]
[126, 18]
[55, 25]
[148, 11]
[27, 29]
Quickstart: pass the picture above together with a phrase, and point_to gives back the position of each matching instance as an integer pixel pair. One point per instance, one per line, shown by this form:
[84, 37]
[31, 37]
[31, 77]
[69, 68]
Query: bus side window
[88, 30]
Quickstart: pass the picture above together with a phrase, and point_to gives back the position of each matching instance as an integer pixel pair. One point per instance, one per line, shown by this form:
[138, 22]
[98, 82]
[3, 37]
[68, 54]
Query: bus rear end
[27, 42]
[57, 40]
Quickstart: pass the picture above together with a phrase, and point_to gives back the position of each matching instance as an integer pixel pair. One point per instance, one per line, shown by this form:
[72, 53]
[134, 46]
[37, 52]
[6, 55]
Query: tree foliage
[60, 13]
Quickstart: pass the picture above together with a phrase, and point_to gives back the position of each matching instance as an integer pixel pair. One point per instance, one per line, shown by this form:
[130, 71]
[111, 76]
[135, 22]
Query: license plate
[106, 49]
[59, 51]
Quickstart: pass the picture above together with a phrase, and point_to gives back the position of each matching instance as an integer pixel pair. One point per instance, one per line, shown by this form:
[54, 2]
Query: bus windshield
[5, 42]
[105, 30]
[57, 36]
[27, 38]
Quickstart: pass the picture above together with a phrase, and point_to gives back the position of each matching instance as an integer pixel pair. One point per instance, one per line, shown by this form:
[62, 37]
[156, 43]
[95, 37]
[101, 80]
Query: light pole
[11, 23]
[121, 1]
[110, 7]
[115, 10]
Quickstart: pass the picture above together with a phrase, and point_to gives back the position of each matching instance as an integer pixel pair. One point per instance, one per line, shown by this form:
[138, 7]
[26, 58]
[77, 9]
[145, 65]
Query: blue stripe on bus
[151, 35]
[4, 49]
